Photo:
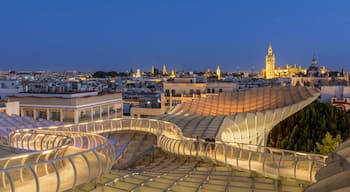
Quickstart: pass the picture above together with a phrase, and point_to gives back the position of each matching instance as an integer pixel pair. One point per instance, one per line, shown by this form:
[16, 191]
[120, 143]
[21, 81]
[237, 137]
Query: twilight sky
[88, 35]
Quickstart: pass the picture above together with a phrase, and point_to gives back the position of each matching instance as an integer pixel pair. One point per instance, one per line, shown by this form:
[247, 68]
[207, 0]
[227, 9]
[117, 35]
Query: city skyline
[184, 35]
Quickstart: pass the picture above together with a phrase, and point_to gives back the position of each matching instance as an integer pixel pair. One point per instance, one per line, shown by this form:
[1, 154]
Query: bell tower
[164, 70]
[218, 72]
[270, 63]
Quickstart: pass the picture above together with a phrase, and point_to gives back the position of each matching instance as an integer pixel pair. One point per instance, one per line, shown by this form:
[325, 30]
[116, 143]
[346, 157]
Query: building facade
[339, 96]
[290, 71]
[186, 89]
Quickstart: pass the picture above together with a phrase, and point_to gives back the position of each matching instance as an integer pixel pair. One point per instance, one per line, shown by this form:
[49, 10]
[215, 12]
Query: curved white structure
[254, 127]
[63, 157]
[64, 160]
[335, 175]
[76, 154]
[246, 116]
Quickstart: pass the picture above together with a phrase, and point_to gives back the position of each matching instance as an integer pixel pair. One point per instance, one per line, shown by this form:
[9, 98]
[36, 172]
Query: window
[208, 90]
[220, 90]
[28, 113]
[167, 102]
[55, 116]
[167, 92]
[213, 90]
[175, 102]
[119, 112]
[173, 92]
[42, 115]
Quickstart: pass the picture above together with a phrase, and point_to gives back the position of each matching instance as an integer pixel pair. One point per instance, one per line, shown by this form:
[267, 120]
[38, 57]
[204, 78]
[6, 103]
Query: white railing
[269, 161]
[79, 153]
[264, 160]
[81, 157]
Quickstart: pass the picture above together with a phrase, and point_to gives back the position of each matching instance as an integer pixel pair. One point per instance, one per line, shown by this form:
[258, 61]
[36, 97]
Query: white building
[70, 107]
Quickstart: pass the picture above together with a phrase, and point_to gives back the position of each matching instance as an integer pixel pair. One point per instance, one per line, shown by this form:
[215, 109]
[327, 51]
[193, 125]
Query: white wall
[346, 91]
[327, 92]
[12, 108]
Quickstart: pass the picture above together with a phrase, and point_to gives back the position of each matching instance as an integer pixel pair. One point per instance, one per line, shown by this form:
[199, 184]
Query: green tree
[99, 74]
[329, 144]
[304, 129]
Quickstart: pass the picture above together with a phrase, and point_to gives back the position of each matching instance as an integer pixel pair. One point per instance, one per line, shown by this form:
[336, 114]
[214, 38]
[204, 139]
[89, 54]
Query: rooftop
[62, 95]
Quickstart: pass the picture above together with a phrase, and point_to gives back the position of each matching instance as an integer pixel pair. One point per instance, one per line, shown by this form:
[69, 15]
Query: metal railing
[264, 160]
[77, 152]
[62, 161]
[269, 161]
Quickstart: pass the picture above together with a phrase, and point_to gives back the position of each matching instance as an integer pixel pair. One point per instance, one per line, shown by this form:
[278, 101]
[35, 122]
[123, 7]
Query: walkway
[79, 153]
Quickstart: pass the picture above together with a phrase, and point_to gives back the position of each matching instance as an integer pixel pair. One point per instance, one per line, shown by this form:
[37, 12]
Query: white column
[76, 116]
[171, 100]
[92, 113]
[47, 114]
[116, 110]
[61, 115]
[108, 111]
[121, 107]
[34, 114]
[100, 112]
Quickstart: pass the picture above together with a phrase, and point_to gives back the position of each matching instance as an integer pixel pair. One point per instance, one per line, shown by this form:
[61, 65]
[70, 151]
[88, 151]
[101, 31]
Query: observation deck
[66, 157]
[69, 156]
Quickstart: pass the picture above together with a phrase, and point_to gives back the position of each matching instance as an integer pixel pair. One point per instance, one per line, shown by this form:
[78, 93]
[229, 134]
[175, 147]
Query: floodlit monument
[272, 71]
[168, 153]
[270, 63]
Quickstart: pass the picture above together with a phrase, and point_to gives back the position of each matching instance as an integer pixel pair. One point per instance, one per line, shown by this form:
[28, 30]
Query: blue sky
[95, 35]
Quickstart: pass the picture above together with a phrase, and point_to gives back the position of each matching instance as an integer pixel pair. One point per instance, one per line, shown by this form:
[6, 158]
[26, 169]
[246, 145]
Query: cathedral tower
[218, 72]
[164, 70]
[270, 63]
[152, 70]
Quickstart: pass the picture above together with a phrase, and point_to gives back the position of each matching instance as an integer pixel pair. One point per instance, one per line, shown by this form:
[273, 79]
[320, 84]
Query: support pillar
[108, 111]
[35, 115]
[92, 114]
[61, 115]
[121, 109]
[171, 101]
[76, 116]
[115, 111]
[100, 112]
[47, 114]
